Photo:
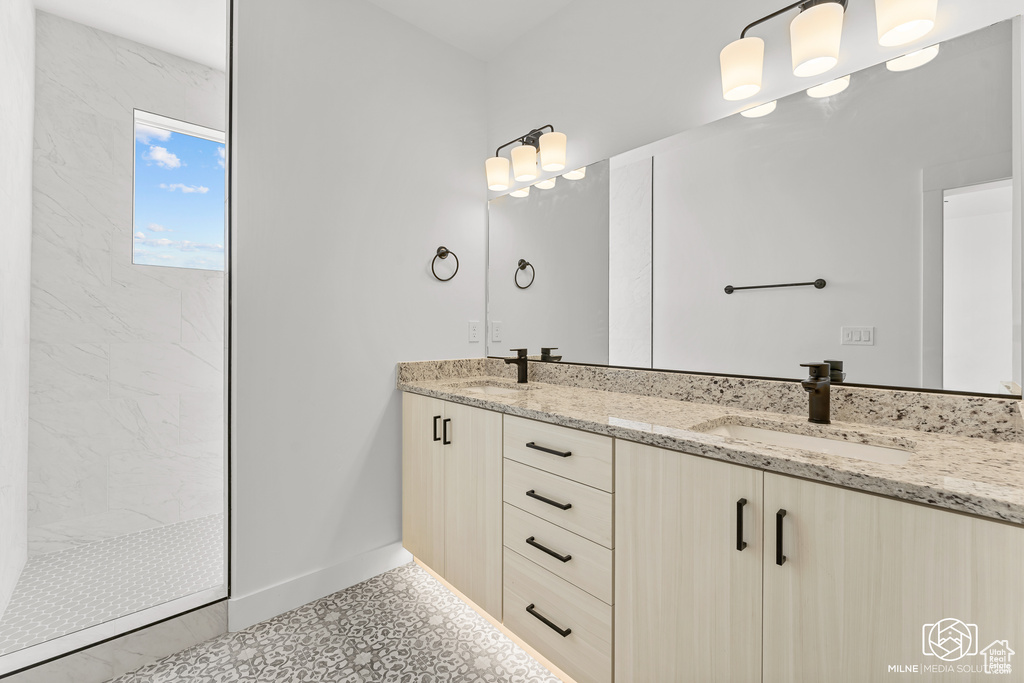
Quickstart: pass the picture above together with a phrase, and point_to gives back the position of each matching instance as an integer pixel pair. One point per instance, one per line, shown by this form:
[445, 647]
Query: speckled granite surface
[949, 466]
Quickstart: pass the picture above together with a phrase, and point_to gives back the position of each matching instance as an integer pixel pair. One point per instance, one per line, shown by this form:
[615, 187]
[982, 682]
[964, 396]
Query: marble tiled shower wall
[126, 414]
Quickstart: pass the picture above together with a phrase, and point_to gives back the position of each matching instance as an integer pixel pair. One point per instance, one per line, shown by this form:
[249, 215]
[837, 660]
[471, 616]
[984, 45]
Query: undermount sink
[494, 390]
[815, 444]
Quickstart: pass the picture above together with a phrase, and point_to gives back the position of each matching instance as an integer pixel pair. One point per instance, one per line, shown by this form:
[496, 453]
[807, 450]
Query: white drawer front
[585, 653]
[579, 508]
[590, 461]
[581, 562]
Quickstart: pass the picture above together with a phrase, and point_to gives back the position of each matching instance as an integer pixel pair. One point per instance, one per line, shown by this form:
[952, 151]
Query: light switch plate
[495, 331]
[858, 336]
[474, 330]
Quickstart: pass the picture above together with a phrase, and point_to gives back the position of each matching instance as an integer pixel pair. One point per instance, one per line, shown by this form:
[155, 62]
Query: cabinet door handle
[437, 418]
[740, 543]
[780, 559]
[444, 430]
[547, 622]
[561, 506]
[560, 454]
[562, 558]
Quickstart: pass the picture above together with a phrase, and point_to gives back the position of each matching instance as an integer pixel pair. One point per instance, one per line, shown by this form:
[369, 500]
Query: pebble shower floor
[66, 591]
[402, 627]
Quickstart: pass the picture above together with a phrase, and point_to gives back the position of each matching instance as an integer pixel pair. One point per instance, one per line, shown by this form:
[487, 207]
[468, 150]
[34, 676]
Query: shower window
[179, 194]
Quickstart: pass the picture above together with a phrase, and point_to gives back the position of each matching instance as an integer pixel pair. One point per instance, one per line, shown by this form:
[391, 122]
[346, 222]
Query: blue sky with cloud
[179, 200]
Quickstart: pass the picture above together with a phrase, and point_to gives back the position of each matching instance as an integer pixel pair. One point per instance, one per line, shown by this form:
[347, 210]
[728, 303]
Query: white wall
[563, 233]
[17, 73]
[357, 148]
[617, 75]
[827, 189]
[127, 360]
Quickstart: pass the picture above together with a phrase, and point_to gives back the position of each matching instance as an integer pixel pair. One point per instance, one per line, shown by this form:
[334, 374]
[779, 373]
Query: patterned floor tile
[63, 592]
[402, 626]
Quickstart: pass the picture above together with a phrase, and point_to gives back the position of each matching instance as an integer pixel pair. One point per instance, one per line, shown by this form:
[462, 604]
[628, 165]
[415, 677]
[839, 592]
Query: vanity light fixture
[904, 21]
[815, 35]
[830, 88]
[578, 174]
[548, 146]
[913, 60]
[760, 110]
[521, 192]
[546, 184]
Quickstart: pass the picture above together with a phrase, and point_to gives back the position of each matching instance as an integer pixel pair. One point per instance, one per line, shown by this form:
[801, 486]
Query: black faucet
[520, 362]
[545, 354]
[836, 373]
[818, 386]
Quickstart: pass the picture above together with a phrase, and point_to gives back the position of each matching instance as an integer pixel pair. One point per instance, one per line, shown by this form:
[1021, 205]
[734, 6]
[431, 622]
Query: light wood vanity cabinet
[860, 576]
[451, 494]
[687, 600]
[863, 575]
[677, 566]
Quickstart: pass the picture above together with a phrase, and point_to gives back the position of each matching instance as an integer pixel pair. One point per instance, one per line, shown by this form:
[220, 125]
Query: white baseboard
[246, 610]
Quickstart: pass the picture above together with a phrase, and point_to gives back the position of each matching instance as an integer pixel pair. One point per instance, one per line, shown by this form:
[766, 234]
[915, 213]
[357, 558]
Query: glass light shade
[913, 59]
[829, 89]
[552, 151]
[904, 21]
[521, 192]
[497, 173]
[524, 163]
[546, 184]
[759, 111]
[578, 174]
[815, 35]
[742, 67]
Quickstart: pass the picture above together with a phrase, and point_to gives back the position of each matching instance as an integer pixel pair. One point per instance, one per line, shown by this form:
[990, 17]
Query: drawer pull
[444, 431]
[780, 559]
[740, 543]
[561, 506]
[560, 454]
[562, 558]
[547, 622]
[437, 418]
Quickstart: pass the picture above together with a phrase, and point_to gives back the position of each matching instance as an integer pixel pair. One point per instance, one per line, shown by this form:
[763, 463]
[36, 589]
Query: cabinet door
[473, 505]
[687, 601]
[423, 479]
[864, 577]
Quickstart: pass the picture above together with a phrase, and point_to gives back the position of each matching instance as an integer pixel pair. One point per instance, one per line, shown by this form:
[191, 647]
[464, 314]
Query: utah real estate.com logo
[952, 641]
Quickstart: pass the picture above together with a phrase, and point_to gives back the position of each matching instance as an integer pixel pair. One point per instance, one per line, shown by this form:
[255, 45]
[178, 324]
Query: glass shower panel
[114, 501]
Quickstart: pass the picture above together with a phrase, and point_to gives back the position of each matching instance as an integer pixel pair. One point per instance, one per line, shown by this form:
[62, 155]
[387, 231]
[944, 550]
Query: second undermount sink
[493, 390]
[815, 444]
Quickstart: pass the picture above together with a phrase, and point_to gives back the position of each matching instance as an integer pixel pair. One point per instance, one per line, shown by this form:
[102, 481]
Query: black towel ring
[523, 265]
[442, 253]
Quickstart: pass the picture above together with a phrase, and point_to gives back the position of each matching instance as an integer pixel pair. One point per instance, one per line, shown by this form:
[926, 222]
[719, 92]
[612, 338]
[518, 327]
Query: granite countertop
[959, 473]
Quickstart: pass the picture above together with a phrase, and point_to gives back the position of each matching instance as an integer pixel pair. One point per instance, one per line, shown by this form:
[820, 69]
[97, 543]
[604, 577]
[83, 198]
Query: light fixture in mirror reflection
[900, 192]
[760, 110]
[830, 88]
[913, 59]
[815, 36]
[578, 174]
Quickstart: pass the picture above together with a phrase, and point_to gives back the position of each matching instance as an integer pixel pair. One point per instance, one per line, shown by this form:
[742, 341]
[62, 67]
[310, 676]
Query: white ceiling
[193, 29]
[482, 28]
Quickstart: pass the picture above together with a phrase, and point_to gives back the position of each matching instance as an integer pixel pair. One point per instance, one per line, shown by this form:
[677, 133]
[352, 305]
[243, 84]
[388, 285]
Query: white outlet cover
[495, 331]
[474, 330]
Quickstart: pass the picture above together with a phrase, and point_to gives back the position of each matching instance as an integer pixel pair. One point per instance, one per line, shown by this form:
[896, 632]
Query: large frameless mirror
[886, 209]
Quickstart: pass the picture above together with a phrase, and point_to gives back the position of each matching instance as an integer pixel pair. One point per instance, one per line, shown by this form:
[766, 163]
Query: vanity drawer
[591, 460]
[588, 512]
[586, 652]
[589, 566]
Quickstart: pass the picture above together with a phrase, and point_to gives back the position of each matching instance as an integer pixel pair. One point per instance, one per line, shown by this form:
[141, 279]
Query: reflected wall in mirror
[563, 233]
[112, 459]
[899, 192]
